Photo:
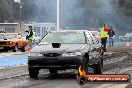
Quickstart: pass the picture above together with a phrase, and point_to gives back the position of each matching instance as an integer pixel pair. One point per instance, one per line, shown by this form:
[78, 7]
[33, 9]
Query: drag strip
[12, 77]
[114, 63]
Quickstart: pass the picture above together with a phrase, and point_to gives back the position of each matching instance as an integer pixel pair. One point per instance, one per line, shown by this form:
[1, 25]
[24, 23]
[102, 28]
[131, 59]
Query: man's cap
[29, 26]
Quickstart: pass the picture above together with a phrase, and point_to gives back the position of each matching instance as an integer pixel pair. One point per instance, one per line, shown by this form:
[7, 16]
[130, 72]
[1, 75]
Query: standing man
[111, 34]
[30, 36]
[104, 34]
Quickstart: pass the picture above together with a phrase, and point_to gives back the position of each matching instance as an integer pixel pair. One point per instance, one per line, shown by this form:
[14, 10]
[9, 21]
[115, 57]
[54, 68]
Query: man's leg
[109, 41]
[102, 42]
[112, 41]
[105, 40]
[30, 44]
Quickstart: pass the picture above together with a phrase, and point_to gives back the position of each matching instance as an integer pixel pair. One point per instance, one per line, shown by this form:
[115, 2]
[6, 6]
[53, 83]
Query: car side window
[96, 39]
[93, 38]
[89, 39]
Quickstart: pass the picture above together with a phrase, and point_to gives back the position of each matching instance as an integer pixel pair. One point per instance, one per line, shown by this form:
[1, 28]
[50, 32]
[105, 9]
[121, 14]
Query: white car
[36, 38]
[129, 37]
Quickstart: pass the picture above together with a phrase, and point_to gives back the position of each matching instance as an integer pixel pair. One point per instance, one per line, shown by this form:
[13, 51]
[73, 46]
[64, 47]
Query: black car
[66, 49]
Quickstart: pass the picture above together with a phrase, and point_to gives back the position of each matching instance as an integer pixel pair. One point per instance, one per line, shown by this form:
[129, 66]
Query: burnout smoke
[74, 14]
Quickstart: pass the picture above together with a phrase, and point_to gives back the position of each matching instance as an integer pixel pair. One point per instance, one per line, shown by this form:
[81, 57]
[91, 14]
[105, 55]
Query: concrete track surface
[118, 62]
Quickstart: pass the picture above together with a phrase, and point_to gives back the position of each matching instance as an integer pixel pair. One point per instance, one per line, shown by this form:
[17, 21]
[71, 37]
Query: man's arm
[31, 33]
[113, 32]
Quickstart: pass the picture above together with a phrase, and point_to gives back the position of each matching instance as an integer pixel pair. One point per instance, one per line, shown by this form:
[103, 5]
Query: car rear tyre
[53, 71]
[33, 72]
[98, 68]
[23, 49]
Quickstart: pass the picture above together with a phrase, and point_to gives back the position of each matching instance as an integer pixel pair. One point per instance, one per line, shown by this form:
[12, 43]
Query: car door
[21, 41]
[97, 47]
[91, 49]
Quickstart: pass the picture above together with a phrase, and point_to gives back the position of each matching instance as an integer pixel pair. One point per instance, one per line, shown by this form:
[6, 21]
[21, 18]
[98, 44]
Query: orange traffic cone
[127, 45]
[29, 51]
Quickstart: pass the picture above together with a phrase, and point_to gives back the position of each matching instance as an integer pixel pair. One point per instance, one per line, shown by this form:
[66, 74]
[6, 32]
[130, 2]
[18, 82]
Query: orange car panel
[11, 42]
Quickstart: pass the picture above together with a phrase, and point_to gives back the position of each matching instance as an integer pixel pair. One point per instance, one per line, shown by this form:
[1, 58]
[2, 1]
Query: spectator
[111, 34]
[30, 36]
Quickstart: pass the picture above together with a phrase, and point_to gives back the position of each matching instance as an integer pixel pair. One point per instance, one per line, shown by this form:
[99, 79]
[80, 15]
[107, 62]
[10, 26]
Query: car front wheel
[33, 72]
[86, 63]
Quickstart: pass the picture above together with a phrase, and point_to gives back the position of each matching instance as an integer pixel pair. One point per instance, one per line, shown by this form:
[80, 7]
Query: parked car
[12, 41]
[123, 39]
[66, 49]
[129, 37]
